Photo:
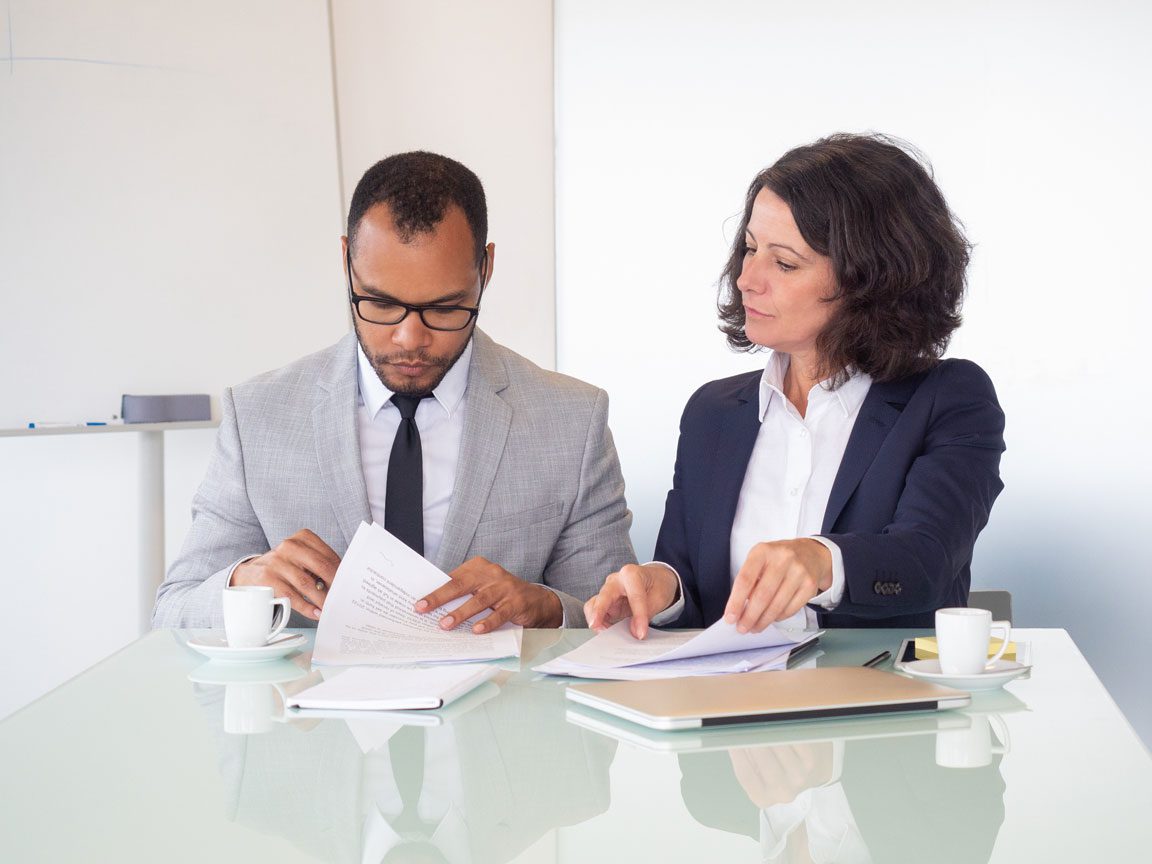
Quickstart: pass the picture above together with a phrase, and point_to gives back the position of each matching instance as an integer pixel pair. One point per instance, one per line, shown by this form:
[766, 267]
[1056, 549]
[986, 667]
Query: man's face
[435, 268]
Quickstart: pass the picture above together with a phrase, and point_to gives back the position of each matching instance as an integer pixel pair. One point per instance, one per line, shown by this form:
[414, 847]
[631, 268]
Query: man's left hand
[493, 587]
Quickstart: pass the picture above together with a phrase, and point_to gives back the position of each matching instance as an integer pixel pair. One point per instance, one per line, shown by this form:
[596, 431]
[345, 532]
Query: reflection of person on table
[852, 802]
[856, 470]
[417, 421]
[481, 788]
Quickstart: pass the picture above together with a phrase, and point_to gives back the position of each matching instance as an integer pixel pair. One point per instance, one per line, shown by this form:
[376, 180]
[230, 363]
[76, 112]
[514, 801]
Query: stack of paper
[370, 616]
[616, 654]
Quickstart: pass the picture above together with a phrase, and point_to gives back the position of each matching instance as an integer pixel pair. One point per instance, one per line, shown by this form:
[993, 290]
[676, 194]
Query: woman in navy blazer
[850, 266]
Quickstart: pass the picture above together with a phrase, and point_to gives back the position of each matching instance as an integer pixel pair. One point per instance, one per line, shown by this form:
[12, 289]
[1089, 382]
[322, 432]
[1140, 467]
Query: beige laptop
[765, 697]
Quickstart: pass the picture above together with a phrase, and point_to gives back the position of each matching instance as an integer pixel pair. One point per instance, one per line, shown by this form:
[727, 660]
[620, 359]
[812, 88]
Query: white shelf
[118, 427]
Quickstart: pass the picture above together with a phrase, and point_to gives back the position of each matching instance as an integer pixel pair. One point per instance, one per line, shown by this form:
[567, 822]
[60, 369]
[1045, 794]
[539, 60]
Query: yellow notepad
[926, 648]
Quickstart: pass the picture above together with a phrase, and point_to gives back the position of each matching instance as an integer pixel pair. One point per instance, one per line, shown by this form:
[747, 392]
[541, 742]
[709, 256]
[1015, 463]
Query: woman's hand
[637, 590]
[777, 775]
[776, 581]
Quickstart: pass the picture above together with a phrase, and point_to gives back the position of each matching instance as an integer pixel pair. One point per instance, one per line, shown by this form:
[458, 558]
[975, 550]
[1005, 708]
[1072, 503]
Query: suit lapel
[486, 423]
[881, 409]
[335, 432]
[739, 423]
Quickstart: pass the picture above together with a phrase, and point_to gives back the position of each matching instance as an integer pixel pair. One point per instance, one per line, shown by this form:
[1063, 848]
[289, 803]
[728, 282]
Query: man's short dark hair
[899, 256]
[418, 188]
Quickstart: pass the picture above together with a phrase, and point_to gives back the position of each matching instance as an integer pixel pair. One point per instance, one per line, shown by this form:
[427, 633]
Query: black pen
[878, 659]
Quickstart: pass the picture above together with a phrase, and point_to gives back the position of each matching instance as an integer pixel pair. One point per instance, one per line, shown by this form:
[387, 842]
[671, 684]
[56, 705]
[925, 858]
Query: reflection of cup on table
[249, 709]
[963, 636]
[972, 747]
[253, 616]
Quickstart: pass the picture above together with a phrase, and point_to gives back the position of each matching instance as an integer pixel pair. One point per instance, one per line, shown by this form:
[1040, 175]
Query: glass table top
[158, 754]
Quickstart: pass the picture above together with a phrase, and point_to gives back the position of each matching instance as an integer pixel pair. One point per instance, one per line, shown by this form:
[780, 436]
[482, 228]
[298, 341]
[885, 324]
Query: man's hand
[493, 587]
[776, 581]
[301, 568]
[636, 590]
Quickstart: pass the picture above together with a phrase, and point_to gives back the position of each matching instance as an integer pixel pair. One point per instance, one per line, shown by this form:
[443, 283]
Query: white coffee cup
[963, 636]
[253, 616]
[972, 747]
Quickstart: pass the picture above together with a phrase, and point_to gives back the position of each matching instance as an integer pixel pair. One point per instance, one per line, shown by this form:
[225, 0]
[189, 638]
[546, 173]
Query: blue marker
[56, 424]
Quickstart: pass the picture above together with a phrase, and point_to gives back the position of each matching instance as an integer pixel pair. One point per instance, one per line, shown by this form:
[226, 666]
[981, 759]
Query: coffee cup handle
[1006, 628]
[280, 616]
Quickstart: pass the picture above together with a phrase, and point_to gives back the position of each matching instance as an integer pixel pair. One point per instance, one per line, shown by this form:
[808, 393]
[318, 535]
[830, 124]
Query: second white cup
[963, 637]
[253, 615]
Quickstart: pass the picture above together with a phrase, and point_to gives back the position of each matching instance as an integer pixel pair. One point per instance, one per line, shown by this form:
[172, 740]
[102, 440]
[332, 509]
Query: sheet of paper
[369, 616]
[755, 660]
[616, 654]
[616, 646]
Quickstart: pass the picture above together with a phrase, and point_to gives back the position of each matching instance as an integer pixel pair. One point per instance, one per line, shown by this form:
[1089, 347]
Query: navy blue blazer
[914, 489]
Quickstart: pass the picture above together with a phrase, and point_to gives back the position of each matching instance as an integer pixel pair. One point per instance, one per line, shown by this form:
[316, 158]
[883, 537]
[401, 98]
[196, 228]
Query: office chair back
[996, 601]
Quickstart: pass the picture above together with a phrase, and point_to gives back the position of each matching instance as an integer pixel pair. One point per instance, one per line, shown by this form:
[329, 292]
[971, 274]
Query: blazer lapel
[739, 425]
[335, 432]
[881, 409]
[486, 426]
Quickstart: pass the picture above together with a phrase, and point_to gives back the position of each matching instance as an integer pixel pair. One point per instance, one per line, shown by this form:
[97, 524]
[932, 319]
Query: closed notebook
[761, 697]
[378, 688]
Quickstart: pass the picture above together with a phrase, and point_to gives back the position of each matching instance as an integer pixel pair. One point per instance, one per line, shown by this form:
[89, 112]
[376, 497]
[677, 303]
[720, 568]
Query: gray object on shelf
[165, 409]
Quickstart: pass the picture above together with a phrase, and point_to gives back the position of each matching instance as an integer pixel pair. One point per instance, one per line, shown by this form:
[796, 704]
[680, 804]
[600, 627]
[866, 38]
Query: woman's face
[783, 282]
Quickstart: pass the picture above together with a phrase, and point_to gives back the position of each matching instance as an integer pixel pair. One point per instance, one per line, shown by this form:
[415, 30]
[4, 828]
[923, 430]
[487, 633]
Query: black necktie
[404, 495]
[406, 750]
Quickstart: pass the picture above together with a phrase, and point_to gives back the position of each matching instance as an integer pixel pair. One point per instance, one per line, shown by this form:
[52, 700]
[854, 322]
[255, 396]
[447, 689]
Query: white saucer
[216, 648]
[996, 676]
[270, 672]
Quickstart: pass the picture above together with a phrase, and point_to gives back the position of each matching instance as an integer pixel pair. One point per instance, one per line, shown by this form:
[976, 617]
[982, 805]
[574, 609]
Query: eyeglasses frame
[355, 299]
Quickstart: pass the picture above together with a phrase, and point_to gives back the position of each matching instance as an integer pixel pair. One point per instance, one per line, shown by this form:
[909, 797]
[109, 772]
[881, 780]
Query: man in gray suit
[502, 474]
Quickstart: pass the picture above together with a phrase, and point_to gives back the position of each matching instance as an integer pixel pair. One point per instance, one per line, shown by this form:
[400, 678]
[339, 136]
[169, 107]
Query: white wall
[1034, 115]
[474, 84]
[472, 81]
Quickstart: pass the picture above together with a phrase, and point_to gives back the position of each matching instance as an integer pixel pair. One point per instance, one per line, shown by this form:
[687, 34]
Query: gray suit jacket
[538, 486]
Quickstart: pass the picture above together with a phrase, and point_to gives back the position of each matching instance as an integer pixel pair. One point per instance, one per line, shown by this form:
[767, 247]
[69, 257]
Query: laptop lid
[765, 697]
[724, 738]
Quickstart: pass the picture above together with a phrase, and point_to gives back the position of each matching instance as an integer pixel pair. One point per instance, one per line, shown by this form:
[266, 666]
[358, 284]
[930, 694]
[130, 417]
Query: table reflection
[481, 786]
[853, 799]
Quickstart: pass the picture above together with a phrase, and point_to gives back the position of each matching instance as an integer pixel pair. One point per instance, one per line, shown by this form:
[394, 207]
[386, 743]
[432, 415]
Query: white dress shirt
[790, 474]
[441, 424]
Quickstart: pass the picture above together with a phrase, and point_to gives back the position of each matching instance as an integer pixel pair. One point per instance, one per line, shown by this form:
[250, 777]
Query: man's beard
[442, 364]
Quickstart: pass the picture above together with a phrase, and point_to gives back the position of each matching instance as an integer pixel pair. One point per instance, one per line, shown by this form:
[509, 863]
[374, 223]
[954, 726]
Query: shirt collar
[849, 395]
[448, 393]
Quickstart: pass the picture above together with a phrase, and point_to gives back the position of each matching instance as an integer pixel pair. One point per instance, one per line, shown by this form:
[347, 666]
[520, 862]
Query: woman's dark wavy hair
[899, 256]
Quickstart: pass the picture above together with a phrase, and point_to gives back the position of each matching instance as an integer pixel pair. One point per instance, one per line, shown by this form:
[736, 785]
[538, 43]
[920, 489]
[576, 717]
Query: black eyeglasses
[435, 317]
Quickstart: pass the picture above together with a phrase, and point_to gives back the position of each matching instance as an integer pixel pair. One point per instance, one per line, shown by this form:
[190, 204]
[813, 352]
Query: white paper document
[369, 616]
[376, 688]
[616, 654]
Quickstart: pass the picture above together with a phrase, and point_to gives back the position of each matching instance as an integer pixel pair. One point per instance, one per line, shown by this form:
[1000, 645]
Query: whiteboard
[170, 205]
